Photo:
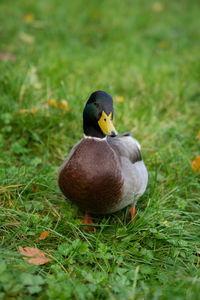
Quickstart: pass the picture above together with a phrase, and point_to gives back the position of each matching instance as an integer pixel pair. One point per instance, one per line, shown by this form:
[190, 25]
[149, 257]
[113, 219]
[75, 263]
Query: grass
[147, 52]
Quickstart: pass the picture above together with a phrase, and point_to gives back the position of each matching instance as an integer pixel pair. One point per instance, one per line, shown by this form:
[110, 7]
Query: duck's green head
[98, 115]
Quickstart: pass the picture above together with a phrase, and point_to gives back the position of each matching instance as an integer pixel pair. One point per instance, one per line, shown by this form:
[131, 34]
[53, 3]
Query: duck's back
[91, 176]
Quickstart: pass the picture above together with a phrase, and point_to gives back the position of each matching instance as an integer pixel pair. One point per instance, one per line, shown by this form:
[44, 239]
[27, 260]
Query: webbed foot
[132, 213]
[87, 220]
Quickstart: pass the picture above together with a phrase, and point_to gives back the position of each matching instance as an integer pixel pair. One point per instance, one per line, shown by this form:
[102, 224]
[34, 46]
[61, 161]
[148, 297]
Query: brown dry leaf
[34, 256]
[35, 188]
[34, 110]
[119, 99]
[7, 57]
[196, 165]
[63, 105]
[198, 134]
[157, 6]
[28, 18]
[44, 235]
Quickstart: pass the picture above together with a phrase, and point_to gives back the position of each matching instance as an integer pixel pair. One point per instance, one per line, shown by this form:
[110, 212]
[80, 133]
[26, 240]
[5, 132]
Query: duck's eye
[96, 104]
[105, 120]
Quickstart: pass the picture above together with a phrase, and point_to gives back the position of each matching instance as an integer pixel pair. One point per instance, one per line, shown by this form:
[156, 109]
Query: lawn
[53, 55]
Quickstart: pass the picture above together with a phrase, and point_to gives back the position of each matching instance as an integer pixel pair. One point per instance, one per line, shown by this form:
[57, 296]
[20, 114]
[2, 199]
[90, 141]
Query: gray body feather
[133, 169]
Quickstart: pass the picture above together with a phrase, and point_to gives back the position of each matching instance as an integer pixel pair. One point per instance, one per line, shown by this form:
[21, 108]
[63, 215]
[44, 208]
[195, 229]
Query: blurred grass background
[53, 55]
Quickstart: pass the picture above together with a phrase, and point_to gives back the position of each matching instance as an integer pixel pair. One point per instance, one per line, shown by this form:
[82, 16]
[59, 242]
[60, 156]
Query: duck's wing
[68, 157]
[126, 146]
[133, 169]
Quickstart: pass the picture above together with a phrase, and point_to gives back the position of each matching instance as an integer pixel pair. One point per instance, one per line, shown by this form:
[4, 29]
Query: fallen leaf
[52, 102]
[28, 18]
[157, 6]
[198, 135]
[7, 57]
[44, 235]
[196, 165]
[163, 44]
[34, 187]
[63, 105]
[34, 110]
[34, 256]
[119, 99]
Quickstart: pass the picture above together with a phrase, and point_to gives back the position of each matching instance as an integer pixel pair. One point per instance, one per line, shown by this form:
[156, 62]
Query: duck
[104, 172]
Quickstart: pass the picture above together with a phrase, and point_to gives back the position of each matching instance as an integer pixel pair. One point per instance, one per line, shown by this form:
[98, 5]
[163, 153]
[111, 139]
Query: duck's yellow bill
[106, 124]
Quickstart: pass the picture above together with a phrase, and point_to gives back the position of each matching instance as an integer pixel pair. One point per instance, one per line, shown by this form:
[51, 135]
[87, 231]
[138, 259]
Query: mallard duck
[104, 171]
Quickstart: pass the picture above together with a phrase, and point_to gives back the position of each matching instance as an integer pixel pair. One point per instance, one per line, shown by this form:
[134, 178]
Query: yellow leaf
[28, 18]
[63, 105]
[52, 102]
[44, 235]
[196, 165]
[34, 256]
[163, 44]
[198, 135]
[157, 6]
[34, 110]
[119, 99]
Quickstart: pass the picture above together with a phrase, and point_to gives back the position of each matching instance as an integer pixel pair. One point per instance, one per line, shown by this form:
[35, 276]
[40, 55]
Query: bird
[104, 171]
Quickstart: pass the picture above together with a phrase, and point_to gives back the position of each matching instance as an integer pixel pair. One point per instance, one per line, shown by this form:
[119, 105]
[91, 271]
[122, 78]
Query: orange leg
[132, 213]
[87, 220]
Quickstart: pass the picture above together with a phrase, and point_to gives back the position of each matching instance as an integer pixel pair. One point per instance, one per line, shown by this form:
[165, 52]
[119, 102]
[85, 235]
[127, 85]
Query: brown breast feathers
[91, 177]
